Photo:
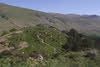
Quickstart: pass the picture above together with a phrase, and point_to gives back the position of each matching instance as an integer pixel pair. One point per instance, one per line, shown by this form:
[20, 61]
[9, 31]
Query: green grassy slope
[40, 39]
[23, 48]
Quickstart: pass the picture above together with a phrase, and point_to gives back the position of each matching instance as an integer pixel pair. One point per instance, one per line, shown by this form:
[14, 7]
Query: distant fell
[16, 17]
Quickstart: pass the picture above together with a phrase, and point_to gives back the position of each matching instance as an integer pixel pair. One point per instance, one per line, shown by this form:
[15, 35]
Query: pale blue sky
[59, 6]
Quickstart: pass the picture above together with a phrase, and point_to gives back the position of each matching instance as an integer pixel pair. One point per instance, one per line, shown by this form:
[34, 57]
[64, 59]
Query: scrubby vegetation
[47, 47]
[4, 33]
[13, 30]
[78, 42]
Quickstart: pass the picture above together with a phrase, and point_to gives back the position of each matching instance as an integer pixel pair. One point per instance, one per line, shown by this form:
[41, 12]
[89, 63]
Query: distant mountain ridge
[15, 17]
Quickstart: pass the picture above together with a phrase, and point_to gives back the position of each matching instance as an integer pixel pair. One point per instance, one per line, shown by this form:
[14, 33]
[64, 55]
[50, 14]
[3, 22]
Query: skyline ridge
[62, 6]
[52, 12]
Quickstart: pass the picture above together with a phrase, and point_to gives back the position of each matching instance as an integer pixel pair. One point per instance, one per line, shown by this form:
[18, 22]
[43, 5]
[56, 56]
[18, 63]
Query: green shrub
[4, 33]
[15, 40]
[78, 42]
[13, 30]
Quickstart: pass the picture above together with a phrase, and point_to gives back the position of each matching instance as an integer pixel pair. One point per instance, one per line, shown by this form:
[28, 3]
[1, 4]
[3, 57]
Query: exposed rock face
[40, 57]
[18, 31]
[2, 40]
[40, 39]
[93, 52]
[23, 44]
[3, 48]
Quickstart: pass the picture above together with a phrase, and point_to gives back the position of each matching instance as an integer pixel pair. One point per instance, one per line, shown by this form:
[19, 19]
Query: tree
[77, 41]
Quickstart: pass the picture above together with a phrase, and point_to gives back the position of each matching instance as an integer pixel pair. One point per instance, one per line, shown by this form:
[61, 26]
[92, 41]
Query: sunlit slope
[15, 17]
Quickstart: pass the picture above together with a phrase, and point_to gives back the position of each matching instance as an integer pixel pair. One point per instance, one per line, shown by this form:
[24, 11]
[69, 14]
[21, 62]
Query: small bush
[13, 30]
[4, 33]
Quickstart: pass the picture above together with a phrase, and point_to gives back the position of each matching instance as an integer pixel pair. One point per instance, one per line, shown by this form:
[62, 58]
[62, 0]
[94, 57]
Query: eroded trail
[4, 42]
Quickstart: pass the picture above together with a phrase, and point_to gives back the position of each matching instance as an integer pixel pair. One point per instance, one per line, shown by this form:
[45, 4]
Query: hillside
[46, 46]
[16, 17]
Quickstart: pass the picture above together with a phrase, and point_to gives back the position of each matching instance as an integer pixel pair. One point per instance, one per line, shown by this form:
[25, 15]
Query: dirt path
[3, 40]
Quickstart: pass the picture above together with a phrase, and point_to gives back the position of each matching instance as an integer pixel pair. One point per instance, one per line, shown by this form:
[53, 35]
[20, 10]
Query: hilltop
[16, 17]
